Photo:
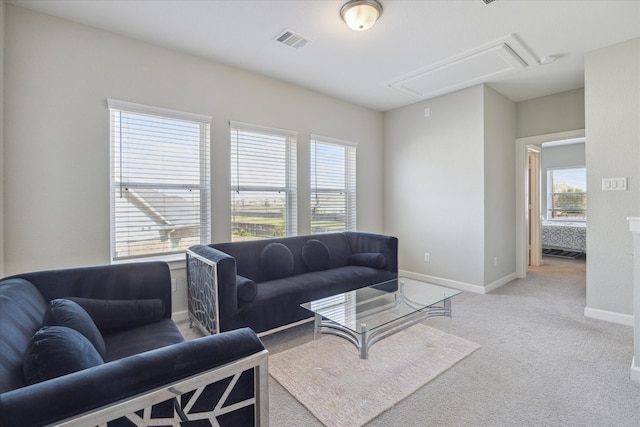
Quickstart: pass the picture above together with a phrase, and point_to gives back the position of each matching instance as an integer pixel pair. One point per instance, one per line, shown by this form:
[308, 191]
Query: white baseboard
[500, 282]
[463, 286]
[180, 316]
[443, 282]
[609, 316]
[635, 371]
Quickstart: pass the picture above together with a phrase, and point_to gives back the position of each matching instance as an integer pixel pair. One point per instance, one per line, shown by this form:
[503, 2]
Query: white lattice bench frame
[144, 402]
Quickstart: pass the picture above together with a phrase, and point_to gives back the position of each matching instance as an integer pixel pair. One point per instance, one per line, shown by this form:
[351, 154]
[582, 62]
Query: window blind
[333, 185]
[159, 180]
[263, 182]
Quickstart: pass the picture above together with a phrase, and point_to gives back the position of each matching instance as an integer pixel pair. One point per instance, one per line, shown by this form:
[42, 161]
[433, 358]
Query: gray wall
[558, 157]
[58, 76]
[499, 187]
[612, 101]
[559, 112]
[449, 187]
[433, 185]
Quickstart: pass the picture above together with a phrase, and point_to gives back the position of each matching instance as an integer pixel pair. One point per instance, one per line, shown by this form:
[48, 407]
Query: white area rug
[341, 390]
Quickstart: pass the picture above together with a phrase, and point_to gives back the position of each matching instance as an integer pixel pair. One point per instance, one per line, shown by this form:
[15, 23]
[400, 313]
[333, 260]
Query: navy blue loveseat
[261, 283]
[96, 345]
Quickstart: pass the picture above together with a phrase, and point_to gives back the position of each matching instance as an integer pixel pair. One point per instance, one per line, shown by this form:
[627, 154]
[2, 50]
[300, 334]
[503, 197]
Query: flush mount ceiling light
[360, 15]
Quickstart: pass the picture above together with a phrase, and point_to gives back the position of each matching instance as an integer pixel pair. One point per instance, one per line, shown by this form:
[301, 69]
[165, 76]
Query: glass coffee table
[367, 315]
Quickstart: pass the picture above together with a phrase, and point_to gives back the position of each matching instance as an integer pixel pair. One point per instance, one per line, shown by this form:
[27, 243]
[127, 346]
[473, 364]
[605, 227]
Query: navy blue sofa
[60, 367]
[261, 283]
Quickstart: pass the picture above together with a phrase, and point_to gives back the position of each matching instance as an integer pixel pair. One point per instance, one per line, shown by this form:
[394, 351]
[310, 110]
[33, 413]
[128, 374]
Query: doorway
[525, 218]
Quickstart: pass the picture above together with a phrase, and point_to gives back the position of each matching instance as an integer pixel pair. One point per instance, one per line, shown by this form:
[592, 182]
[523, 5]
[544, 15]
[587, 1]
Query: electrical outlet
[495, 261]
[174, 287]
[427, 257]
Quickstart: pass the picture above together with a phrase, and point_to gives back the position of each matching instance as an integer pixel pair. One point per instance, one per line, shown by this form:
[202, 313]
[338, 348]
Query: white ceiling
[411, 36]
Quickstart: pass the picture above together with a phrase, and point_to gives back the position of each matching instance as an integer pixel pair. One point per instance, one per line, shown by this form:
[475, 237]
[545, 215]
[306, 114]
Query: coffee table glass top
[372, 307]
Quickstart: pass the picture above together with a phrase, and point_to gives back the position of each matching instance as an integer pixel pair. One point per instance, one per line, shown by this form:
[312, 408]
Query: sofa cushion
[373, 259]
[115, 315]
[316, 255]
[276, 260]
[64, 312]
[247, 289]
[134, 341]
[58, 350]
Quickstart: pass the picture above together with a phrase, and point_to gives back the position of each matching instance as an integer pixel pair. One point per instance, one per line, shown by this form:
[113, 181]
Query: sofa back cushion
[58, 350]
[64, 312]
[247, 289]
[248, 254]
[22, 308]
[316, 255]
[138, 280]
[116, 315]
[368, 259]
[276, 261]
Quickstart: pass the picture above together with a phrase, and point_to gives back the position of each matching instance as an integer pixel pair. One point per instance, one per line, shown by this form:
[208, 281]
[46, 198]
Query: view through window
[159, 180]
[333, 185]
[263, 182]
[567, 193]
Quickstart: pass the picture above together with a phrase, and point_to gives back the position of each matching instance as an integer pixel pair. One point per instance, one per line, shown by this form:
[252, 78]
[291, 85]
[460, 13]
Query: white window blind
[333, 185]
[263, 182]
[160, 187]
[567, 193]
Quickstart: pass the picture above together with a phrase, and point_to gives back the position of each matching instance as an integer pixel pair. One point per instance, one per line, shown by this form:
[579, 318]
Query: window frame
[204, 182]
[349, 178]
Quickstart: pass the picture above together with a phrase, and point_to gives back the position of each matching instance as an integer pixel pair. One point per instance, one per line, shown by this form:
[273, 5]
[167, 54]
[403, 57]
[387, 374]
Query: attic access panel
[462, 71]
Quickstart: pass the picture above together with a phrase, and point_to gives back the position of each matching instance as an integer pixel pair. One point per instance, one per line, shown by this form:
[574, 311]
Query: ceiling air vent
[292, 39]
[488, 1]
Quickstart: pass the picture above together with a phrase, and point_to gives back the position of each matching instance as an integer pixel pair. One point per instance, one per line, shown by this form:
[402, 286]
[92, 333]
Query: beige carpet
[341, 390]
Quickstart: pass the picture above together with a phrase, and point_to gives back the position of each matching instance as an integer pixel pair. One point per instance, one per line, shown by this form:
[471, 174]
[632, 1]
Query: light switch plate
[613, 184]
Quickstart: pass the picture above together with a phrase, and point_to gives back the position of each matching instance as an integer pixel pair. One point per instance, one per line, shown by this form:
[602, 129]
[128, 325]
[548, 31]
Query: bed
[565, 235]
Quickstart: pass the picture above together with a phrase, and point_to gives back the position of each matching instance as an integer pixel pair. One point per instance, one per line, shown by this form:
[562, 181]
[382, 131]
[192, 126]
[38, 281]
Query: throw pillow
[247, 289]
[55, 351]
[115, 315]
[64, 312]
[276, 260]
[369, 259]
[316, 255]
